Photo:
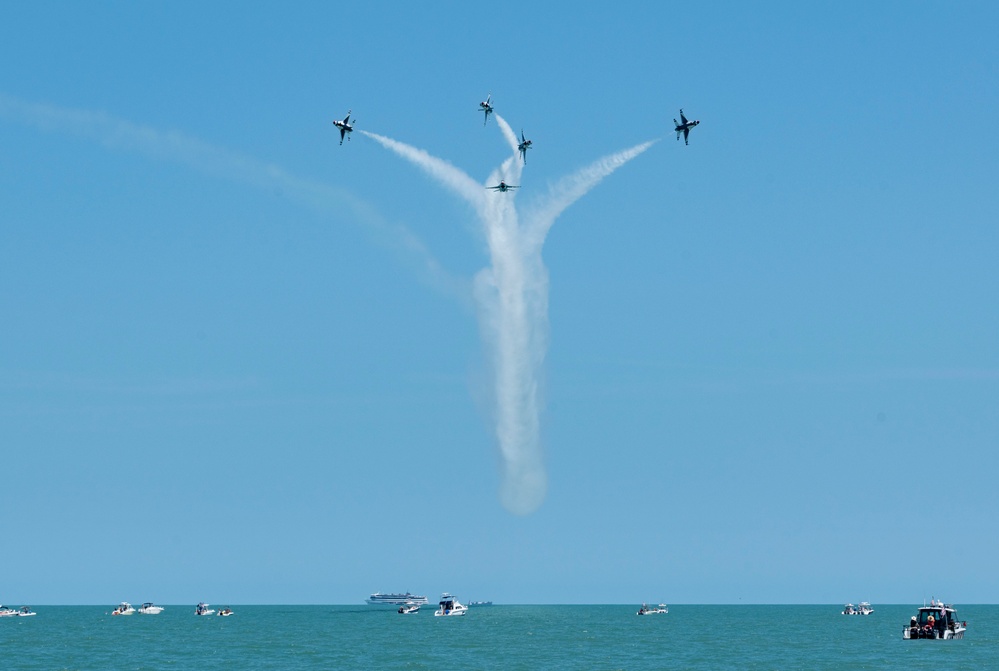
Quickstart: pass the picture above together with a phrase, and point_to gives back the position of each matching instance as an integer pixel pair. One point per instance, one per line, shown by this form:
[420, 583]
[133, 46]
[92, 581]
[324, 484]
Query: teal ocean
[492, 637]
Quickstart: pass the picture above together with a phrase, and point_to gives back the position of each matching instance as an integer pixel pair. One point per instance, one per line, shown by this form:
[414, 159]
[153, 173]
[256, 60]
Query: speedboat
[25, 612]
[6, 611]
[863, 609]
[149, 609]
[225, 612]
[409, 609]
[661, 609]
[124, 608]
[936, 621]
[449, 606]
[203, 609]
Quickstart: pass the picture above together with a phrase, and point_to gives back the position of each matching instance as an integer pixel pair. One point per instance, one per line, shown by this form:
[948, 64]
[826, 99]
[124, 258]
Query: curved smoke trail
[512, 295]
[120, 134]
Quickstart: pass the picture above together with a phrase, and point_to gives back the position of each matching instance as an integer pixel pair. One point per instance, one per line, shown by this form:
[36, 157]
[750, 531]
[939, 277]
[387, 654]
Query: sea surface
[492, 637]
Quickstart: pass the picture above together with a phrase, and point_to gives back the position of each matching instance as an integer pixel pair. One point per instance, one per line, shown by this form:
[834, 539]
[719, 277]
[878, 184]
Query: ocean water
[492, 637]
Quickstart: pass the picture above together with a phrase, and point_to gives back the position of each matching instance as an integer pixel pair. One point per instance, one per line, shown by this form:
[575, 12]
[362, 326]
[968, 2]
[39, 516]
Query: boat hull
[909, 634]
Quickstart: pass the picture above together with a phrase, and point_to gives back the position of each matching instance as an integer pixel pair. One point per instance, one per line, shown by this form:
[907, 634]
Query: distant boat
[661, 609]
[203, 609]
[124, 608]
[863, 609]
[409, 609]
[480, 603]
[395, 600]
[449, 607]
[6, 611]
[225, 612]
[149, 609]
[25, 612]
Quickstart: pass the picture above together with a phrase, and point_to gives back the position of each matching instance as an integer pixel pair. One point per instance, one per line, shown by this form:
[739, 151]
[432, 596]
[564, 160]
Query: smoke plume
[512, 298]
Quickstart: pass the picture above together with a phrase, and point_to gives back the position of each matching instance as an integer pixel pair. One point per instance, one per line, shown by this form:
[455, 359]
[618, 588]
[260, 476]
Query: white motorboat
[6, 611]
[863, 608]
[661, 609]
[203, 609]
[409, 609]
[124, 608]
[149, 609]
[25, 612]
[225, 612]
[449, 606]
[936, 621]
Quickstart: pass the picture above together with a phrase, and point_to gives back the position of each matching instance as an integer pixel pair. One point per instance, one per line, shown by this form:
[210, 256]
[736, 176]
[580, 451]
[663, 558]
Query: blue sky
[229, 372]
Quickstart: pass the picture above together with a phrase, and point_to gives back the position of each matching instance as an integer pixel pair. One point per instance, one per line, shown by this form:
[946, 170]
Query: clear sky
[239, 362]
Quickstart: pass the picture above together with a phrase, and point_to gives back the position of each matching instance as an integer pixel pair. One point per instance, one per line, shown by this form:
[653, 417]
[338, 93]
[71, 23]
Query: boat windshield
[940, 617]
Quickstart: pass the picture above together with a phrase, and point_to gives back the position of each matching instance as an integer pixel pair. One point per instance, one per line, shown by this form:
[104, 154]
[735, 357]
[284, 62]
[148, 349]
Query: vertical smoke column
[512, 294]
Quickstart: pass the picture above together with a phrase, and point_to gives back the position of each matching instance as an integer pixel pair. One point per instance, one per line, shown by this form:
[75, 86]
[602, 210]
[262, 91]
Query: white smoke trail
[512, 294]
[448, 175]
[124, 135]
[508, 133]
[569, 189]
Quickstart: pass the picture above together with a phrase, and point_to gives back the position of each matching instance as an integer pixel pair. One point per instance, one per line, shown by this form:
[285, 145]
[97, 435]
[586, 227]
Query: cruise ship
[396, 600]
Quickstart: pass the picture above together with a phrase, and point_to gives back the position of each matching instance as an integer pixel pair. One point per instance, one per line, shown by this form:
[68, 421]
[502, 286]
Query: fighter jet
[684, 126]
[486, 107]
[524, 145]
[345, 127]
[502, 186]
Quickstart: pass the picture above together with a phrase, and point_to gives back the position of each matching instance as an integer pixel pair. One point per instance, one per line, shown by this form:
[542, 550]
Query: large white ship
[396, 600]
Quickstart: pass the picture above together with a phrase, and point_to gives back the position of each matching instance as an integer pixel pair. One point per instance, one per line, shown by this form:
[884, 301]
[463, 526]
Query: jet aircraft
[524, 145]
[345, 126]
[684, 126]
[486, 107]
[502, 186]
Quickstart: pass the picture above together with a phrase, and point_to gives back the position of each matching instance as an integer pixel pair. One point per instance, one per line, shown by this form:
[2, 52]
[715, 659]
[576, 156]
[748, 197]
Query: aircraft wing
[343, 131]
[683, 119]
[686, 132]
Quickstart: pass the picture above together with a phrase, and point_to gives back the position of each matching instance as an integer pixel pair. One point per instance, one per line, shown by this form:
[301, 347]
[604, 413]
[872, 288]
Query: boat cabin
[935, 621]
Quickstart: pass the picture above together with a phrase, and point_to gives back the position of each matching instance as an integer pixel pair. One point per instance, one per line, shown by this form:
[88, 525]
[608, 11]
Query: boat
[936, 621]
[863, 608]
[25, 612]
[449, 607]
[409, 609]
[225, 612]
[203, 609]
[394, 600]
[124, 608]
[149, 609]
[661, 609]
[6, 611]
[480, 603]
